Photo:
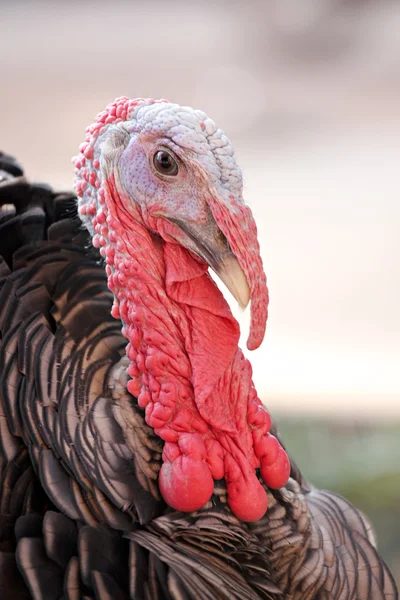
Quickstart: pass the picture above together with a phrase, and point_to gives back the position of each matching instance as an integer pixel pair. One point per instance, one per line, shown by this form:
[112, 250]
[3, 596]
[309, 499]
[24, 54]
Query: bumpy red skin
[186, 368]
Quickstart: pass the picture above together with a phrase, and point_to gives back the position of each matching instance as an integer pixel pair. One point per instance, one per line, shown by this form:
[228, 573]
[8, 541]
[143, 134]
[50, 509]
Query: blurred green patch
[358, 460]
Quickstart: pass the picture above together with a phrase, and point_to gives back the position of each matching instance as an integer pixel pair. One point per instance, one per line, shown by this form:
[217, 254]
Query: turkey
[137, 460]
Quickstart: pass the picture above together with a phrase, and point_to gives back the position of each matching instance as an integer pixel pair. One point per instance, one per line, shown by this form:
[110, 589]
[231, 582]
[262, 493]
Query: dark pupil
[165, 162]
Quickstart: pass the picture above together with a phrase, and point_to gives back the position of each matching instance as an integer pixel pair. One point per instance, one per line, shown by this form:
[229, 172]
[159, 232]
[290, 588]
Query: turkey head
[161, 193]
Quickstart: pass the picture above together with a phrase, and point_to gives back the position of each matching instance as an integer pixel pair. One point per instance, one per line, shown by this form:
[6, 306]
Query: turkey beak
[209, 243]
[227, 241]
[231, 274]
[234, 220]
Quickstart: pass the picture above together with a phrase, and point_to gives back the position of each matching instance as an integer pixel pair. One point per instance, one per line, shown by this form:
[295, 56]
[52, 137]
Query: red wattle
[185, 484]
[266, 448]
[277, 474]
[250, 504]
[247, 498]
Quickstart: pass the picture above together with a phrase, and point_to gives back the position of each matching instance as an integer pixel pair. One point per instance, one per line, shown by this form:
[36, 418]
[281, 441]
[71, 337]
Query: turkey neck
[186, 368]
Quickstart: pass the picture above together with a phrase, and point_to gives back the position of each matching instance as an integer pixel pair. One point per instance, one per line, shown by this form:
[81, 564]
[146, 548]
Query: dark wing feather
[60, 538]
[204, 556]
[12, 586]
[106, 587]
[177, 556]
[72, 584]
[361, 572]
[43, 577]
[321, 547]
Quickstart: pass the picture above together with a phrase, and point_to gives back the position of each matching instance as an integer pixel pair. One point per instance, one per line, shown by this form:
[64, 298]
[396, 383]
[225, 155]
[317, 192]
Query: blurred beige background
[309, 93]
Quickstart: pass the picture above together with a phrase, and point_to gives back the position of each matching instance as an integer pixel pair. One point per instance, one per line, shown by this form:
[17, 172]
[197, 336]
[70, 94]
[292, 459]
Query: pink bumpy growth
[186, 368]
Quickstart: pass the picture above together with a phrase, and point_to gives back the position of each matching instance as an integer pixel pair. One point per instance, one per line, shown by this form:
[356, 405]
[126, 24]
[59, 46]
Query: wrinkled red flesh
[186, 368]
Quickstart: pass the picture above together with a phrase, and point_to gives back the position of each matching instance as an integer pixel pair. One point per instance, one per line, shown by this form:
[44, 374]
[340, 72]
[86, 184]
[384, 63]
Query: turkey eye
[165, 163]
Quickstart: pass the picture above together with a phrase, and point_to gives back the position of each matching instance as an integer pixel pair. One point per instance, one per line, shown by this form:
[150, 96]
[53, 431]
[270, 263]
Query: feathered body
[82, 511]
